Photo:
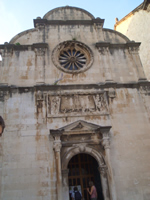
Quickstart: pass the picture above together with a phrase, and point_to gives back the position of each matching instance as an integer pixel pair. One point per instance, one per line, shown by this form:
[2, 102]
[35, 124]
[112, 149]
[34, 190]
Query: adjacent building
[135, 26]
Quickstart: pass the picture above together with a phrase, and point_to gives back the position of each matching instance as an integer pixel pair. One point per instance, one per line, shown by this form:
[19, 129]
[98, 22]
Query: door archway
[82, 169]
[83, 137]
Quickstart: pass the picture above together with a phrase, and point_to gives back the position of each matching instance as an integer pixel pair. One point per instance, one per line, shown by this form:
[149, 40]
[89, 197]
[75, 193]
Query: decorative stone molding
[70, 152]
[77, 104]
[40, 51]
[82, 147]
[39, 95]
[7, 53]
[57, 145]
[145, 89]
[43, 22]
[57, 142]
[103, 169]
[106, 143]
[105, 137]
[72, 57]
[111, 93]
[103, 50]
[133, 50]
[4, 94]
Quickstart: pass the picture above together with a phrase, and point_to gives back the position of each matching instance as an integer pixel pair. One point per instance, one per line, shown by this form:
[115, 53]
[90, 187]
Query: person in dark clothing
[76, 195]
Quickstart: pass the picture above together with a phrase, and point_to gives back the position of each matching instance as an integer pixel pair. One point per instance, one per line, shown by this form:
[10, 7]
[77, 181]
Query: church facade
[75, 101]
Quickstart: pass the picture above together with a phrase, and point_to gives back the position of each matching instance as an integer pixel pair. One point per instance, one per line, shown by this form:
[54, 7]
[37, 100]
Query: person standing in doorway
[76, 195]
[92, 191]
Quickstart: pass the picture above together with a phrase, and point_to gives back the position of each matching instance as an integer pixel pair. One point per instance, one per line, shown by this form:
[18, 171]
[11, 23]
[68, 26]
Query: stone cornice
[56, 88]
[38, 22]
[23, 47]
[121, 45]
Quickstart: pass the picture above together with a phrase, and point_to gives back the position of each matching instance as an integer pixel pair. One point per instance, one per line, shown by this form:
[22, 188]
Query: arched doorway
[82, 169]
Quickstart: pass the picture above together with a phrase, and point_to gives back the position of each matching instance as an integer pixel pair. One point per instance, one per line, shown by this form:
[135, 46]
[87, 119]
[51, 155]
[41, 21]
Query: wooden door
[81, 171]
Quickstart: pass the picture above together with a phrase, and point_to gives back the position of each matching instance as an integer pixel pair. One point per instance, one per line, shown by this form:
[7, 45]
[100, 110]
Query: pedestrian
[92, 191]
[76, 195]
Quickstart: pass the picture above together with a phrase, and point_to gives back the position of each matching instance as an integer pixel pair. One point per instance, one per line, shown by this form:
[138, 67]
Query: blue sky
[17, 15]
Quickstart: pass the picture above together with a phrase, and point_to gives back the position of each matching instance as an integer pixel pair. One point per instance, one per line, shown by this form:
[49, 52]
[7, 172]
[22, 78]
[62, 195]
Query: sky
[17, 15]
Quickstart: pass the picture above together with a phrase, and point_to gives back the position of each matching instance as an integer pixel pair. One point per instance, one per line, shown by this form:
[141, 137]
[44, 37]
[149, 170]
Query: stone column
[65, 187]
[103, 173]
[133, 50]
[57, 148]
[106, 146]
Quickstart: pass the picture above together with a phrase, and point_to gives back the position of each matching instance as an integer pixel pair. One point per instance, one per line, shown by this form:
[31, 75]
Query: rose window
[72, 57]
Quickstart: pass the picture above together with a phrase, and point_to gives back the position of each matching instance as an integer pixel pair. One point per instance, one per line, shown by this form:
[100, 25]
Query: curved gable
[25, 37]
[112, 36]
[68, 13]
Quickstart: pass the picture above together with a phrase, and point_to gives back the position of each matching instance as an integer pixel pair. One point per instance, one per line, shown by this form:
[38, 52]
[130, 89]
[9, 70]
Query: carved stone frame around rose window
[70, 45]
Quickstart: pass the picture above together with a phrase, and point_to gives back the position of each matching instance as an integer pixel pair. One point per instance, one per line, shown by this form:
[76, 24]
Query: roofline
[71, 7]
[140, 7]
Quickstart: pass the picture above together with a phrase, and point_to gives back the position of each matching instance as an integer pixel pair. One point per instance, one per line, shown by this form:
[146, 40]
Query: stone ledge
[121, 45]
[42, 22]
[23, 47]
[44, 87]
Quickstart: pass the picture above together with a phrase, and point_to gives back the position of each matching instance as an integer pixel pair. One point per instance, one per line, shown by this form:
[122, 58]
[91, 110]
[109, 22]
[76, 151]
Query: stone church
[76, 105]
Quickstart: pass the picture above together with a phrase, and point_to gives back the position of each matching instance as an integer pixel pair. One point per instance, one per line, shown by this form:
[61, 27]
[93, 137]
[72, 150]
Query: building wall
[135, 27]
[27, 159]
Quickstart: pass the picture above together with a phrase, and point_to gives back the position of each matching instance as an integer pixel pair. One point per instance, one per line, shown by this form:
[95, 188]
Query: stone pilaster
[40, 65]
[105, 59]
[133, 50]
[57, 148]
[106, 145]
[65, 187]
[103, 173]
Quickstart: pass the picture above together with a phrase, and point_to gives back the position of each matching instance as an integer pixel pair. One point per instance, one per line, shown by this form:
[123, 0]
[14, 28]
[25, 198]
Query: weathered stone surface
[52, 115]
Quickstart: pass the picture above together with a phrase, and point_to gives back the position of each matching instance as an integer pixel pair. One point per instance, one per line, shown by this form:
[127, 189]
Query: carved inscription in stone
[76, 105]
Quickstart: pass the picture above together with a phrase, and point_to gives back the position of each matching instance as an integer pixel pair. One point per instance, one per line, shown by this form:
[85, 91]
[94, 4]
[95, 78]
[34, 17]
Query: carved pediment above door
[81, 132]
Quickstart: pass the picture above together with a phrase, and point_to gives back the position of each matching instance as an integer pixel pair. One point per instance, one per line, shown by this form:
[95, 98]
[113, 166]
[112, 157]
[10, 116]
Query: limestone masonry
[73, 93]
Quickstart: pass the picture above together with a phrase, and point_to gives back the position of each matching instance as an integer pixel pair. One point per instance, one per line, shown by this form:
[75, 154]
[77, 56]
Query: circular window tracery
[72, 57]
